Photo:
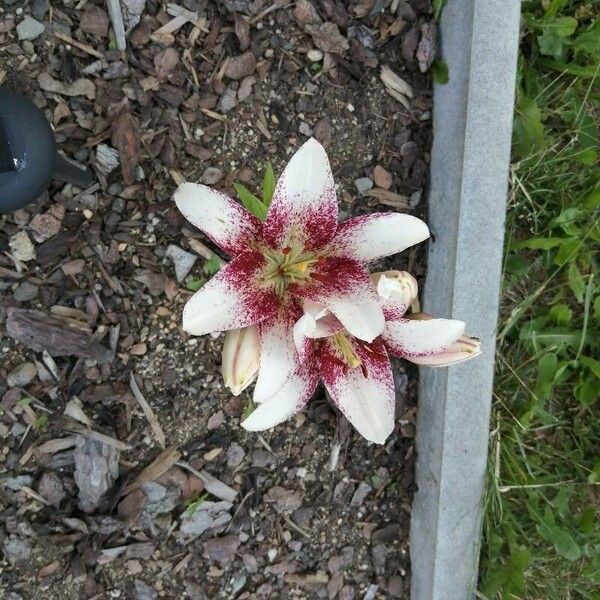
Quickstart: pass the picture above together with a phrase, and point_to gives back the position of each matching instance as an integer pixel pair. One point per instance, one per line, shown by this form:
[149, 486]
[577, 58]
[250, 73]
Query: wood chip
[83, 47]
[56, 445]
[116, 19]
[161, 464]
[154, 424]
[396, 86]
[100, 437]
[388, 198]
[74, 409]
[211, 484]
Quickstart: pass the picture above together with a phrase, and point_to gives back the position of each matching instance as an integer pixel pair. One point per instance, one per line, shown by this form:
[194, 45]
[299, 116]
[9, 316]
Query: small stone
[29, 29]
[314, 56]
[216, 420]
[284, 500]
[347, 593]
[223, 549]
[239, 66]
[142, 591]
[208, 515]
[48, 224]
[238, 583]
[50, 487]
[17, 550]
[305, 13]
[395, 587]
[305, 129]
[415, 198]
[182, 261]
[246, 88]
[21, 247]
[22, 375]
[228, 100]
[382, 177]
[323, 131]
[39, 8]
[25, 292]
[94, 21]
[363, 184]
[134, 567]
[235, 455]
[211, 175]
[362, 491]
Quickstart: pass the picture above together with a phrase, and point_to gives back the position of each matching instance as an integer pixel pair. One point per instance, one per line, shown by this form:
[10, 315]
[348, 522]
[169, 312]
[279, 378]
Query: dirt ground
[89, 295]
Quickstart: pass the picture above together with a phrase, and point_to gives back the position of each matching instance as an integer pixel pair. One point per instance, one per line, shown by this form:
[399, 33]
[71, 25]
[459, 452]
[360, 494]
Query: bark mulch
[123, 470]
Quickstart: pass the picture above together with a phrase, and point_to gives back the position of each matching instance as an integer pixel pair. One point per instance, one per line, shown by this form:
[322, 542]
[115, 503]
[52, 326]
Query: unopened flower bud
[241, 358]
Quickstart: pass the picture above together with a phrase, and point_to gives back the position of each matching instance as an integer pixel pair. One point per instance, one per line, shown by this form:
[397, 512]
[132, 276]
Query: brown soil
[173, 108]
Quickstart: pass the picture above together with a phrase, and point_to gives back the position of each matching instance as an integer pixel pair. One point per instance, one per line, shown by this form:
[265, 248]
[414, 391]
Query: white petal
[421, 337]
[289, 400]
[278, 355]
[304, 205]
[464, 349]
[226, 222]
[373, 236]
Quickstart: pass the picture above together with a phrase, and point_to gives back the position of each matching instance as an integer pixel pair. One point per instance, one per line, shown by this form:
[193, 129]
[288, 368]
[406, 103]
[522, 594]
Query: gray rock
[21, 246]
[17, 550]
[14, 484]
[142, 591]
[363, 184]
[238, 583]
[96, 469]
[39, 8]
[25, 292]
[182, 261]
[29, 29]
[50, 488]
[107, 158]
[362, 491]
[211, 175]
[223, 549]
[160, 499]
[209, 515]
[22, 375]
[235, 455]
[305, 129]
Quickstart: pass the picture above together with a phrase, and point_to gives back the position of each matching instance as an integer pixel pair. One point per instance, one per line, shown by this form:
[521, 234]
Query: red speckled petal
[232, 298]
[364, 394]
[304, 206]
[344, 287]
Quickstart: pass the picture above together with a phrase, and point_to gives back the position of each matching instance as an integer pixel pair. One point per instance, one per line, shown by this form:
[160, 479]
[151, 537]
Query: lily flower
[241, 356]
[299, 254]
[358, 373]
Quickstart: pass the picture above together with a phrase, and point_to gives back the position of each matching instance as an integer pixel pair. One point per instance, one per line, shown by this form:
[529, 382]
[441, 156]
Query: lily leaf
[250, 201]
[268, 186]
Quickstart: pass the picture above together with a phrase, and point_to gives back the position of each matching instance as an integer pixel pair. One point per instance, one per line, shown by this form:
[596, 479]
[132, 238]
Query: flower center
[289, 265]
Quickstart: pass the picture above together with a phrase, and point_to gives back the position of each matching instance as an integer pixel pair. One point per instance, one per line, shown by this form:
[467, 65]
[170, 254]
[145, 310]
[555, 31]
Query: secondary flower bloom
[240, 358]
[299, 254]
[357, 373]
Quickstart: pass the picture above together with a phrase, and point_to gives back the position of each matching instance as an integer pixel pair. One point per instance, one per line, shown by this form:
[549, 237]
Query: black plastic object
[28, 155]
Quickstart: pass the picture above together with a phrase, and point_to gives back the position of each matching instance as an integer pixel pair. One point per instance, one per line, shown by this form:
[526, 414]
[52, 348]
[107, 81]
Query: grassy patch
[542, 522]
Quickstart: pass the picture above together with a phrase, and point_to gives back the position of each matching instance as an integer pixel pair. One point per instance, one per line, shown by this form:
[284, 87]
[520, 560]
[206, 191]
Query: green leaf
[440, 71]
[250, 201]
[592, 200]
[588, 42]
[41, 422]
[588, 391]
[561, 26]
[528, 127]
[576, 282]
[195, 284]
[596, 309]
[547, 366]
[592, 364]
[561, 314]
[565, 544]
[268, 186]
[25, 401]
[539, 243]
[438, 5]
[212, 265]
[567, 251]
